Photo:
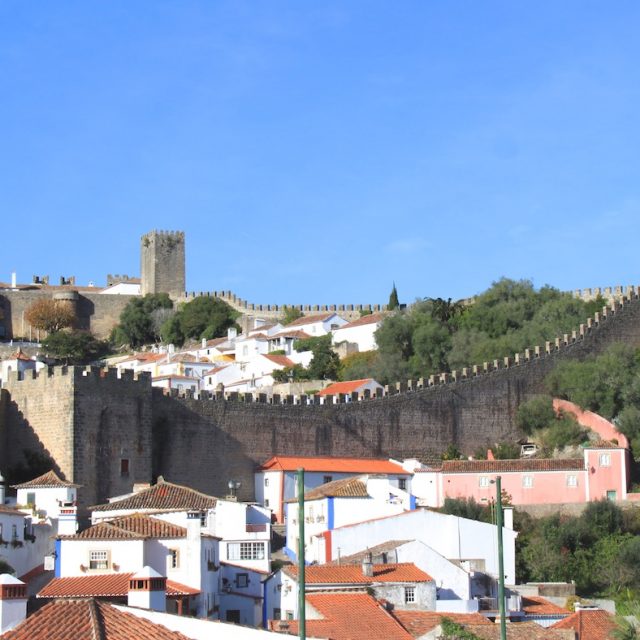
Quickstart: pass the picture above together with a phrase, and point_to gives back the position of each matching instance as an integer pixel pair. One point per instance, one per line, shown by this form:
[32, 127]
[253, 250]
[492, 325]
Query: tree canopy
[203, 317]
[138, 324]
[75, 348]
[50, 315]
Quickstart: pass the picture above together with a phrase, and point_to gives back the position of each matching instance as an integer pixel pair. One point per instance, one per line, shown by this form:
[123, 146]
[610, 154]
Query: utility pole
[302, 619]
[501, 607]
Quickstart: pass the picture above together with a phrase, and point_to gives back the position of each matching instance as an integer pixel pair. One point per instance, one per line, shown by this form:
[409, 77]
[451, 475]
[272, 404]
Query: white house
[402, 585]
[48, 498]
[19, 362]
[242, 595]
[187, 555]
[457, 539]
[318, 324]
[276, 479]
[244, 529]
[339, 503]
[360, 332]
[130, 288]
[348, 387]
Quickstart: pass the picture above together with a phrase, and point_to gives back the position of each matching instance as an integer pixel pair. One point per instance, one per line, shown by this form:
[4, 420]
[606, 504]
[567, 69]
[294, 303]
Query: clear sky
[315, 152]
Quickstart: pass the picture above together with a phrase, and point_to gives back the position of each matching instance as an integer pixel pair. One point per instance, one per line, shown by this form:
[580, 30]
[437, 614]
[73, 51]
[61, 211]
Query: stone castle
[108, 432]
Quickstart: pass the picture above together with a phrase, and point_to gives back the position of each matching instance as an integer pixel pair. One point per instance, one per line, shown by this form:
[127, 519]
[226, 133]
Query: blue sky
[315, 152]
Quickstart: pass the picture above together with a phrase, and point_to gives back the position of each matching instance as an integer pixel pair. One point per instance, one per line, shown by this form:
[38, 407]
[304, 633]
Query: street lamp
[501, 607]
[233, 485]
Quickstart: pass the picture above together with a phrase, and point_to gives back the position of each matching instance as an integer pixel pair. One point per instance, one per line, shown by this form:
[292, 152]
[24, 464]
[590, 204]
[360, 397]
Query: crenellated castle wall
[89, 420]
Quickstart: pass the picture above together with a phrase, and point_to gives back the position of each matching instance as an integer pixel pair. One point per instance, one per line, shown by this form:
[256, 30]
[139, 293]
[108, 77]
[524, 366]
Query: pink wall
[607, 478]
[593, 421]
[549, 487]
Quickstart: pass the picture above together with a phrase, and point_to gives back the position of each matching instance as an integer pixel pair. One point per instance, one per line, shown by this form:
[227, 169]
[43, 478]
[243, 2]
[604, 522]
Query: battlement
[608, 293]
[163, 234]
[117, 278]
[77, 375]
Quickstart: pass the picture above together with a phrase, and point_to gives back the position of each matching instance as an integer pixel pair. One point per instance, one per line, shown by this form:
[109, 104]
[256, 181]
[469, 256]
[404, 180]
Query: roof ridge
[97, 630]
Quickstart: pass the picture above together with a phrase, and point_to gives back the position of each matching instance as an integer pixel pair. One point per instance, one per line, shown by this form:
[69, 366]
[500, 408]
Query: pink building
[602, 472]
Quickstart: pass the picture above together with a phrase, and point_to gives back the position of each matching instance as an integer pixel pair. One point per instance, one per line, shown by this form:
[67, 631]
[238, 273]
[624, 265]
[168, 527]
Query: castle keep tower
[162, 263]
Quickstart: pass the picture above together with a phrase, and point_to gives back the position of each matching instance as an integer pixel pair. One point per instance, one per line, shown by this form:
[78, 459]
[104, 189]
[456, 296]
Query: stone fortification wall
[96, 312]
[162, 262]
[85, 421]
[88, 421]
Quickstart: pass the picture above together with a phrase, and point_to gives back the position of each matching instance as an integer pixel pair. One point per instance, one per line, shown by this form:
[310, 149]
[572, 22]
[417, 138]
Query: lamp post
[501, 607]
[234, 485]
[302, 618]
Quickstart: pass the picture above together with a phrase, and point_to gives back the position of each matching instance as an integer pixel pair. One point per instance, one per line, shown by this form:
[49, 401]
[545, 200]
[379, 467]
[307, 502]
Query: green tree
[466, 508]
[75, 348]
[393, 299]
[534, 414]
[203, 317]
[137, 326]
[359, 365]
[325, 364]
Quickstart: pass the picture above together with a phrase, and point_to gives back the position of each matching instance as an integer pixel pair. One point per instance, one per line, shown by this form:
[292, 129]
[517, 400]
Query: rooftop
[376, 550]
[345, 488]
[537, 605]
[520, 631]
[136, 526]
[162, 496]
[503, 466]
[372, 318]
[349, 386]
[417, 623]
[591, 624]
[79, 619]
[347, 616]
[337, 465]
[47, 480]
[105, 585]
[321, 317]
[352, 574]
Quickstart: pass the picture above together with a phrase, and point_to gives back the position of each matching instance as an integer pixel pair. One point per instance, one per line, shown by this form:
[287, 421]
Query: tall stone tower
[162, 263]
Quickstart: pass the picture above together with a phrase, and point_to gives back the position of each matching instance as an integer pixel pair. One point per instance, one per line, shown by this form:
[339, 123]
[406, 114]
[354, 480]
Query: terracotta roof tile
[352, 574]
[8, 510]
[104, 585]
[590, 624]
[336, 465]
[321, 317]
[283, 361]
[87, 620]
[345, 488]
[364, 320]
[162, 496]
[502, 466]
[347, 616]
[349, 386]
[417, 623]
[131, 527]
[46, 481]
[292, 333]
[537, 605]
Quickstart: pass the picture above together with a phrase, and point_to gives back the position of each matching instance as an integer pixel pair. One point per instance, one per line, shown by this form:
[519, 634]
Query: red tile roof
[293, 333]
[283, 361]
[47, 480]
[590, 624]
[160, 497]
[8, 510]
[134, 527]
[347, 616]
[352, 574]
[85, 620]
[519, 631]
[104, 585]
[321, 317]
[504, 466]
[375, 550]
[336, 465]
[364, 320]
[537, 605]
[349, 386]
[417, 623]
[345, 488]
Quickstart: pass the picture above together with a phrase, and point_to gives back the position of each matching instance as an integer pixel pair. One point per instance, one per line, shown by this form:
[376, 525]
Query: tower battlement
[162, 262]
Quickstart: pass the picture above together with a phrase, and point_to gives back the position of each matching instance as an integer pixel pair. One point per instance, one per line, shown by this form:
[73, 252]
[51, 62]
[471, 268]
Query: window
[409, 595]
[266, 502]
[605, 459]
[98, 560]
[402, 484]
[266, 482]
[124, 467]
[14, 531]
[327, 479]
[233, 615]
[527, 482]
[245, 551]
[174, 559]
[31, 498]
[289, 615]
[572, 481]
[484, 482]
[276, 613]
[242, 580]
[203, 518]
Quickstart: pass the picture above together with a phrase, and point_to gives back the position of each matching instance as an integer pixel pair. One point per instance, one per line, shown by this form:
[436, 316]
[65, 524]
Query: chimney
[2, 490]
[13, 602]
[204, 343]
[14, 280]
[232, 333]
[367, 565]
[148, 590]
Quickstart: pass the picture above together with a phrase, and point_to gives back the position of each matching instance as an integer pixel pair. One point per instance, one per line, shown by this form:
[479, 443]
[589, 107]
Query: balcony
[257, 528]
